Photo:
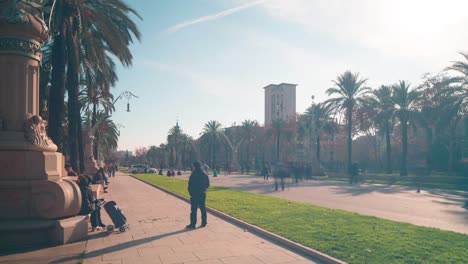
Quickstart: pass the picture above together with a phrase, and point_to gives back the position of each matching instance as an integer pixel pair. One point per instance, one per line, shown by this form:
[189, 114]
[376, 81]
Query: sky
[202, 60]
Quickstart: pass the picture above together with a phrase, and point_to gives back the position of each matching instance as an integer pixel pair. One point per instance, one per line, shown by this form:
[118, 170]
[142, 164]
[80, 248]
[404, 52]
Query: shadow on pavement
[118, 247]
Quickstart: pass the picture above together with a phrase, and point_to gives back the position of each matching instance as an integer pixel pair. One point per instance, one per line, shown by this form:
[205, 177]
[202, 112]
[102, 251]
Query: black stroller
[117, 217]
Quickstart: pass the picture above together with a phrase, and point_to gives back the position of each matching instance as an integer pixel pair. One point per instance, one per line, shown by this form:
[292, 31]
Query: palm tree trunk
[73, 106]
[248, 152]
[451, 150]
[214, 154]
[349, 115]
[430, 138]
[210, 157]
[278, 147]
[57, 91]
[96, 134]
[80, 143]
[317, 150]
[404, 140]
[389, 150]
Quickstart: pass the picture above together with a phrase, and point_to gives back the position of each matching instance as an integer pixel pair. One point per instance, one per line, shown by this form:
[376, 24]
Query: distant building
[280, 102]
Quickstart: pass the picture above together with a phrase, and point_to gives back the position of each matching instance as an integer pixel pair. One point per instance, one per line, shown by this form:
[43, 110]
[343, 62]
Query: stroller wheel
[110, 228]
[122, 229]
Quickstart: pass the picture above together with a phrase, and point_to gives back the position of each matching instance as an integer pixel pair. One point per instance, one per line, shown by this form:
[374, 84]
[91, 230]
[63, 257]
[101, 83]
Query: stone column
[38, 203]
[90, 163]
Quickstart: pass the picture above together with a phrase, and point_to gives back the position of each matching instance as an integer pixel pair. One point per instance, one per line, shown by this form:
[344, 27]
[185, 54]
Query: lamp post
[92, 161]
[127, 95]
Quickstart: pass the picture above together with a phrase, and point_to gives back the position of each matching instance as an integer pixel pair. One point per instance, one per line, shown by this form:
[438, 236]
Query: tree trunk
[317, 150]
[80, 143]
[214, 154]
[96, 133]
[349, 116]
[57, 91]
[248, 151]
[451, 149]
[404, 140]
[389, 150]
[278, 147]
[430, 138]
[73, 105]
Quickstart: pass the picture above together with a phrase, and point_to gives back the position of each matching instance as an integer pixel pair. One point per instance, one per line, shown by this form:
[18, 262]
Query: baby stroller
[117, 217]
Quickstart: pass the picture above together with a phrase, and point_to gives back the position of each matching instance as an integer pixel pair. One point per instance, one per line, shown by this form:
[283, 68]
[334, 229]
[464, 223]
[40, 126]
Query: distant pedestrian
[197, 185]
[354, 173]
[266, 171]
[206, 168]
[111, 171]
[279, 174]
[70, 171]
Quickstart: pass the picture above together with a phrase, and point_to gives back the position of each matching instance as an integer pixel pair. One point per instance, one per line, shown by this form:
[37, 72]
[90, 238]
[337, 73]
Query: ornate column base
[40, 232]
[38, 204]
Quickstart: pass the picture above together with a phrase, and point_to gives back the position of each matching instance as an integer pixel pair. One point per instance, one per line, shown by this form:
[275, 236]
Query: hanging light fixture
[128, 107]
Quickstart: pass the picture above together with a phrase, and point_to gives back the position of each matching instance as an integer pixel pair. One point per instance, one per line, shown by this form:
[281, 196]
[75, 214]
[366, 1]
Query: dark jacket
[87, 201]
[198, 182]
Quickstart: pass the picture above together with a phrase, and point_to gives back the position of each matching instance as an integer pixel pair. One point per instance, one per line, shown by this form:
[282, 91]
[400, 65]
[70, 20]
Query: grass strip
[348, 236]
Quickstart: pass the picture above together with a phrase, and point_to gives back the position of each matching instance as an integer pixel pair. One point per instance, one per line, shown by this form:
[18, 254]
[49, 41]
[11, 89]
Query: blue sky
[202, 60]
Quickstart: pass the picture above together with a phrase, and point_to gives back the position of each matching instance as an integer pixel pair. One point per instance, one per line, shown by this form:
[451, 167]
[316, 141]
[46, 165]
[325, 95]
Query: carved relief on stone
[35, 133]
[13, 15]
[26, 17]
[27, 47]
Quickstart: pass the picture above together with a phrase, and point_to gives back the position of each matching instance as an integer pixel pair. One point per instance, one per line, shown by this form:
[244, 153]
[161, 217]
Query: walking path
[157, 235]
[432, 208]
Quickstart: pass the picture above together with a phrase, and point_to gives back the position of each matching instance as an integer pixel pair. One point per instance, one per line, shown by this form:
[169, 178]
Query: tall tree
[212, 130]
[248, 129]
[173, 140]
[350, 91]
[317, 120]
[459, 88]
[107, 22]
[108, 133]
[278, 129]
[404, 100]
[381, 106]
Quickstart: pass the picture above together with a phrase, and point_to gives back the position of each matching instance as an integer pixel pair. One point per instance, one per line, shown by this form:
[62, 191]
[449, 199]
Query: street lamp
[127, 95]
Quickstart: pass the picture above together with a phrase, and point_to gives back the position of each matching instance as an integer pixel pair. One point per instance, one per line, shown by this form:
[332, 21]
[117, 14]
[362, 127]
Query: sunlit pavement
[433, 208]
[157, 235]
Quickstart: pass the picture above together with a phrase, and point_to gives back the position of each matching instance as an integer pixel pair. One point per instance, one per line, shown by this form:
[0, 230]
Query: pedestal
[37, 205]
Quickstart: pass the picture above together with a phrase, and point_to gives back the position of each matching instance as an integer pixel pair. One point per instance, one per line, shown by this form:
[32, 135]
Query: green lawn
[348, 236]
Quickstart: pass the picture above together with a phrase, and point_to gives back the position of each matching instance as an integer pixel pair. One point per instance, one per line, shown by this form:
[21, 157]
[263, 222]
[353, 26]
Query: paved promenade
[157, 235]
[432, 208]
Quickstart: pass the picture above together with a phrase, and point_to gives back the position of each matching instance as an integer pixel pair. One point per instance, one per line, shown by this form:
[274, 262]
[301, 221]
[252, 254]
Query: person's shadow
[118, 247]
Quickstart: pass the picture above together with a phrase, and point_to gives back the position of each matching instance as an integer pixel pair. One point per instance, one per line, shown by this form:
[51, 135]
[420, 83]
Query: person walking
[197, 185]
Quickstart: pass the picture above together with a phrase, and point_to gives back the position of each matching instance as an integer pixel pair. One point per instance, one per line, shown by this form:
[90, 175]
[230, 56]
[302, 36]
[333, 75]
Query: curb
[296, 247]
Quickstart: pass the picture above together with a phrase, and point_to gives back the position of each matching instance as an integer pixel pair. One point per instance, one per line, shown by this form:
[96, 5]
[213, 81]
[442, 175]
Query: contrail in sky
[214, 16]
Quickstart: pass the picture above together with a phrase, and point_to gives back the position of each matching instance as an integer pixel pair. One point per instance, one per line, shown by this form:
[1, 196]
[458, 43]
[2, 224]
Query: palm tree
[404, 100]
[452, 113]
[350, 91]
[188, 150]
[108, 133]
[278, 130]
[248, 129]
[430, 106]
[77, 23]
[212, 130]
[316, 120]
[173, 138]
[381, 105]
[459, 87]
